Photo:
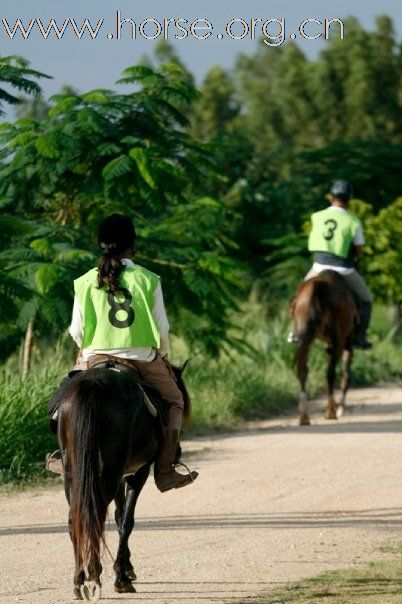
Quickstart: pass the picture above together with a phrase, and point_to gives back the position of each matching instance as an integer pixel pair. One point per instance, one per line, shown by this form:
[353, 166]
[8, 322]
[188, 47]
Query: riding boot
[166, 477]
[361, 341]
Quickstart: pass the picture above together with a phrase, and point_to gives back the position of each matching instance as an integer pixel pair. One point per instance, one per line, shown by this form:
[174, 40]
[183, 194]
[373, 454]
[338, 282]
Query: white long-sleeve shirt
[139, 354]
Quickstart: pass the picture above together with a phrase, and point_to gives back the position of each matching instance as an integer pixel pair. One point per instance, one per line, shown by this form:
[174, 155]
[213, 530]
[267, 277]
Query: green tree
[16, 74]
[102, 152]
[357, 85]
[215, 111]
[215, 118]
[39, 261]
[385, 263]
[164, 56]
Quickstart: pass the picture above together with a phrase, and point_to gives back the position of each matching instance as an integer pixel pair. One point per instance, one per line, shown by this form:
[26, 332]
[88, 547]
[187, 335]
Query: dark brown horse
[324, 308]
[108, 439]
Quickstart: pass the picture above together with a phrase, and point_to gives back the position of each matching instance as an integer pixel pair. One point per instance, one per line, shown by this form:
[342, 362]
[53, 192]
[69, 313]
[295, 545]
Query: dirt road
[274, 503]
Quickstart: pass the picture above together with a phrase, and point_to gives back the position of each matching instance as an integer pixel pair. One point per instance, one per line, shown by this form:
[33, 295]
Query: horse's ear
[183, 367]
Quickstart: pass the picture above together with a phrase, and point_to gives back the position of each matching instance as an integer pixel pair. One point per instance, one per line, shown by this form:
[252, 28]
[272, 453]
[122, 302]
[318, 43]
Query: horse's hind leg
[79, 575]
[347, 362]
[125, 519]
[302, 374]
[333, 358]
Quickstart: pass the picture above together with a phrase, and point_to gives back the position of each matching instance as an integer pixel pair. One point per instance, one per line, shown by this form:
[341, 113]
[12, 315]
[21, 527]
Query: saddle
[157, 407]
[334, 276]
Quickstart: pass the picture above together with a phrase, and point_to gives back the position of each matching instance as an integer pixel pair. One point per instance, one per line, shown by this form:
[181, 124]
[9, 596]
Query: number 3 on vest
[332, 226]
[122, 306]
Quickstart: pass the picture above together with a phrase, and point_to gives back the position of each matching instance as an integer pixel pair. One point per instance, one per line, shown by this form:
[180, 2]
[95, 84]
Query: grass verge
[378, 582]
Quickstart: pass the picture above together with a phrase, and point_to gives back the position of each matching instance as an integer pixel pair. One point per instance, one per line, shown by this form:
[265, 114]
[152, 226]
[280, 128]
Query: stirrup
[51, 459]
[190, 474]
[174, 480]
[292, 338]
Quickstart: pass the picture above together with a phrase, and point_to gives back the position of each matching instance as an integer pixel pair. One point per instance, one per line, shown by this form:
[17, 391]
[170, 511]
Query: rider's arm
[358, 243]
[358, 251]
[161, 320]
[76, 330]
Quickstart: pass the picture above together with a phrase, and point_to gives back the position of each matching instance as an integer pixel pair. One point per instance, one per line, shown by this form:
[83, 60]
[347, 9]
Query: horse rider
[337, 240]
[119, 314]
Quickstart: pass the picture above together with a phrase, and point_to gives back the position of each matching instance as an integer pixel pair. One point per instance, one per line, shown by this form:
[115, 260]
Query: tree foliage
[15, 74]
[102, 152]
[219, 180]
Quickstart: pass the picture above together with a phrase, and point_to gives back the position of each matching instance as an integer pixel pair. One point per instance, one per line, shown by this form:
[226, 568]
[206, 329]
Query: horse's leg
[138, 481]
[120, 501]
[95, 569]
[347, 362]
[302, 374]
[79, 575]
[123, 567]
[334, 354]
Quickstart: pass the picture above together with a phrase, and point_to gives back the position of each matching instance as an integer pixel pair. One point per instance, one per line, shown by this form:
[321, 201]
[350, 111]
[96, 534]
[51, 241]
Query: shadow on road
[385, 517]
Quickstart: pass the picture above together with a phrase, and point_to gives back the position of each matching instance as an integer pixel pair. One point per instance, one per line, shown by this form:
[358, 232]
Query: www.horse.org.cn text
[272, 31]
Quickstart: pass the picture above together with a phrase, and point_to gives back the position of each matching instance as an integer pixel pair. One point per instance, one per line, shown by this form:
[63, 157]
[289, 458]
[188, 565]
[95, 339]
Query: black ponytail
[116, 235]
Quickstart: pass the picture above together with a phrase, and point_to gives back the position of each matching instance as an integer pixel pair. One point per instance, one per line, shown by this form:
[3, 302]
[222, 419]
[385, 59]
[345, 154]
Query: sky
[88, 64]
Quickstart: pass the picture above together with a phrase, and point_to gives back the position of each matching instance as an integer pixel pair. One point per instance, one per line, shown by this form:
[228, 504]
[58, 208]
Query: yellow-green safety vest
[333, 232]
[121, 320]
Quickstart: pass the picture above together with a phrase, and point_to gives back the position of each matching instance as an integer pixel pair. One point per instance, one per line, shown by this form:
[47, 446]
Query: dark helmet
[342, 189]
[116, 234]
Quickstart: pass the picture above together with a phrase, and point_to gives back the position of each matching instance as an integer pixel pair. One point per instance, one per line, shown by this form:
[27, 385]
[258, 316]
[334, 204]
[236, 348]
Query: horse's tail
[308, 322]
[87, 500]
[319, 298]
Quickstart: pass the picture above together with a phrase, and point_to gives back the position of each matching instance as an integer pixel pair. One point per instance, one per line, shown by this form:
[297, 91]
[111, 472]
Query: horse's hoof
[90, 591]
[339, 411]
[304, 420]
[331, 415]
[77, 593]
[124, 587]
[131, 574]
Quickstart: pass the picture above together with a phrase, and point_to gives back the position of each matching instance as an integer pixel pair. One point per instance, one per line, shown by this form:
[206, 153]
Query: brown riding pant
[159, 374]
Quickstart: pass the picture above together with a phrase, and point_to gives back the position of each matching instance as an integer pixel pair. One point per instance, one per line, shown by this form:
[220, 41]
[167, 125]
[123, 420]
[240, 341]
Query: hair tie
[108, 247]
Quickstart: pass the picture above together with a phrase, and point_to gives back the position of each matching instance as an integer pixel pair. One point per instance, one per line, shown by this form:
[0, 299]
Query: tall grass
[25, 437]
[24, 427]
[224, 392]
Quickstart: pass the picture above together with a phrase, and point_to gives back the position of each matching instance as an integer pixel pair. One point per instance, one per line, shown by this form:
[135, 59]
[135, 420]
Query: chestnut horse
[108, 439]
[325, 309]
